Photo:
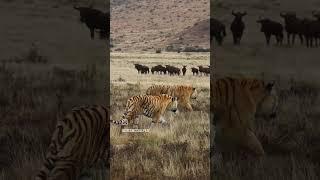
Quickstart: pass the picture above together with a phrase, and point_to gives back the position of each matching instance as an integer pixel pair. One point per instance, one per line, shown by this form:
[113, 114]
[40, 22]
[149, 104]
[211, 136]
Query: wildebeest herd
[172, 70]
[95, 20]
[308, 29]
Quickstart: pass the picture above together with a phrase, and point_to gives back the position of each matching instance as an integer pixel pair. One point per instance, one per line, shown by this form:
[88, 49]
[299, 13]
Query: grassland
[291, 140]
[48, 65]
[33, 96]
[177, 151]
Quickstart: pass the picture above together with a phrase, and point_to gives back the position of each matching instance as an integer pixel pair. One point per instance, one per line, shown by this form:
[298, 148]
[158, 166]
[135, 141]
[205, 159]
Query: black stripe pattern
[80, 139]
[146, 105]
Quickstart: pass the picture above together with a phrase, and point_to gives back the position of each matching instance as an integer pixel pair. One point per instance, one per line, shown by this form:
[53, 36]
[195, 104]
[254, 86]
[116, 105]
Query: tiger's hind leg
[251, 143]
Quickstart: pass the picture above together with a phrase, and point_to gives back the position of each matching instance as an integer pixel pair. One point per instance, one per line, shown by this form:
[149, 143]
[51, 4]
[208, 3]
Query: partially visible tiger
[80, 139]
[151, 106]
[182, 92]
[235, 102]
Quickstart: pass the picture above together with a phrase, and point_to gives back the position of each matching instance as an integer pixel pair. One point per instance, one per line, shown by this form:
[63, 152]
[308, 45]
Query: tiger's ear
[269, 86]
[193, 89]
[174, 98]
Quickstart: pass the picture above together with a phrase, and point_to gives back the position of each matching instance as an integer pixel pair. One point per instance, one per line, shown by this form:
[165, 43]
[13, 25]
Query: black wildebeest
[204, 70]
[142, 69]
[95, 19]
[159, 69]
[269, 27]
[311, 31]
[317, 27]
[237, 26]
[184, 70]
[217, 30]
[145, 70]
[293, 26]
[194, 71]
[173, 70]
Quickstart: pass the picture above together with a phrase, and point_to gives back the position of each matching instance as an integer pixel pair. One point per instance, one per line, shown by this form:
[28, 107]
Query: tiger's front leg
[136, 123]
[162, 120]
[189, 107]
[155, 120]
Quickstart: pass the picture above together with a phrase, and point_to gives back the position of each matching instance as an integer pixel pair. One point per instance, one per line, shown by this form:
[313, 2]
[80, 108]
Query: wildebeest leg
[92, 33]
[234, 38]
[278, 38]
[301, 38]
[240, 37]
[288, 38]
[268, 38]
[293, 38]
[306, 40]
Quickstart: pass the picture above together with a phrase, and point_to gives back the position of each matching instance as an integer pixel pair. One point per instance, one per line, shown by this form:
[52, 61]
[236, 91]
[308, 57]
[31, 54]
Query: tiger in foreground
[151, 106]
[79, 141]
[235, 103]
[182, 92]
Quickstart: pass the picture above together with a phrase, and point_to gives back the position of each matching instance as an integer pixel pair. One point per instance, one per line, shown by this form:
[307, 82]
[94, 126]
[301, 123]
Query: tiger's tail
[123, 121]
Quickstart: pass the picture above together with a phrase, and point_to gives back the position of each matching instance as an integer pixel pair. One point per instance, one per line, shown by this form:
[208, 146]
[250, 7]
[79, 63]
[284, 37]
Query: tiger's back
[79, 140]
[182, 92]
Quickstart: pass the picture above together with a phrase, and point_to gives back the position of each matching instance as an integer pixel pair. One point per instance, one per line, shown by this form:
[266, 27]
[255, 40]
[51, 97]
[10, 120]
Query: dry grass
[179, 150]
[32, 97]
[39, 84]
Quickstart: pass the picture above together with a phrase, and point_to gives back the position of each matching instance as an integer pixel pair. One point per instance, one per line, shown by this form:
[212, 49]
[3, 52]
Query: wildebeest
[184, 70]
[317, 27]
[311, 31]
[95, 19]
[204, 70]
[194, 71]
[237, 26]
[173, 70]
[159, 69]
[293, 26]
[142, 69]
[217, 30]
[269, 27]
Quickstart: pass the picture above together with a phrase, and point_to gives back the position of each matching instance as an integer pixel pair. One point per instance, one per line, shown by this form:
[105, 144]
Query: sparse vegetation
[169, 17]
[177, 151]
[32, 97]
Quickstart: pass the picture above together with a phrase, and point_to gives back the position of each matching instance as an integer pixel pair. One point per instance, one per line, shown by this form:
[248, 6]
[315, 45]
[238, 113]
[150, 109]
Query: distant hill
[147, 25]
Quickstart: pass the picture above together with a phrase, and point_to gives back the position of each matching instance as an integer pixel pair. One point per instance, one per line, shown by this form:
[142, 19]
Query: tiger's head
[266, 99]
[173, 103]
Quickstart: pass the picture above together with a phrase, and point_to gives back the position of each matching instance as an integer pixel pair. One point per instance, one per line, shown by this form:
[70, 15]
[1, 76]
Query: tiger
[182, 92]
[150, 106]
[235, 103]
[79, 141]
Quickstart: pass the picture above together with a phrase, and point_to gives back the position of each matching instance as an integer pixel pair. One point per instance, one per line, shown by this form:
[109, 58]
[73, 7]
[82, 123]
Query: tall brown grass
[33, 96]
